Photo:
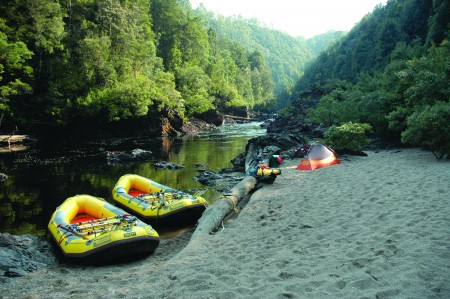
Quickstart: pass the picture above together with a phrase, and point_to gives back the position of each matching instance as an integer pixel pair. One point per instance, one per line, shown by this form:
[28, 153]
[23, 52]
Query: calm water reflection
[43, 177]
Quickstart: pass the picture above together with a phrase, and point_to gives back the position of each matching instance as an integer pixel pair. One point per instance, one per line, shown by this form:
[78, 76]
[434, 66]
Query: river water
[41, 178]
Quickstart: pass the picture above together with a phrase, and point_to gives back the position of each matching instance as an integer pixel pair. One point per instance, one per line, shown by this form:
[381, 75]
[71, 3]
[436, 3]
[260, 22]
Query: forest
[107, 61]
[68, 62]
[390, 74]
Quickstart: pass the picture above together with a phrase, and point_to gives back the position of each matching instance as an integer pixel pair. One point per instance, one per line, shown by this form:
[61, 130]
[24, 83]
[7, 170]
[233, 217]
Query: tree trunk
[214, 215]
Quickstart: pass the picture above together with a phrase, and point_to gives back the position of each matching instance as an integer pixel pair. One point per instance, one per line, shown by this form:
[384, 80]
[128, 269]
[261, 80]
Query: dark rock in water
[212, 117]
[21, 255]
[141, 154]
[266, 123]
[225, 180]
[227, 170]
[207, 177]
[136, 155]
[200, 165]
[194, 126]
[167, 165]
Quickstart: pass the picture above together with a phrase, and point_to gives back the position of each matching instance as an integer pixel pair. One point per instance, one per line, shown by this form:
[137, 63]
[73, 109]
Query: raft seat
[135, 193]
[83, 218]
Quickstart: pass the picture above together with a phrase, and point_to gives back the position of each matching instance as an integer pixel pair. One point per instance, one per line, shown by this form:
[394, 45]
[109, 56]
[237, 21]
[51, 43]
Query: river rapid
[42, 177]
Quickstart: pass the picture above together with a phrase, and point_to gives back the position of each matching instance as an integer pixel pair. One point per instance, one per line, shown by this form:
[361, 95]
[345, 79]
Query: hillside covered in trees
[285, 56]
[117, 62]
[101, 62]
[390, 74]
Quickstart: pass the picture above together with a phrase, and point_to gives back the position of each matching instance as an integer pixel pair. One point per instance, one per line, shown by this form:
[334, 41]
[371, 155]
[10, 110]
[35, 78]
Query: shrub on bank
[430, 128]
[348, 137]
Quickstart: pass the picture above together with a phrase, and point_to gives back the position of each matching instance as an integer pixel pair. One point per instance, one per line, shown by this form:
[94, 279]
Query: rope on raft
[106, 224]
[153, 198]
[169, 194]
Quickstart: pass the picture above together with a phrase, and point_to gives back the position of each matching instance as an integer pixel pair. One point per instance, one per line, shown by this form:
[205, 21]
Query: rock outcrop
[136, 155]
[21, 255]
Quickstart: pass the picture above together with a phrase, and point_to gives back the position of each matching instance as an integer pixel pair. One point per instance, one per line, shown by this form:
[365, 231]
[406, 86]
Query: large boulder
[239, 162]
[171, 124]
[260, 149]
[193, 126]
[212, 117]
[21, 255]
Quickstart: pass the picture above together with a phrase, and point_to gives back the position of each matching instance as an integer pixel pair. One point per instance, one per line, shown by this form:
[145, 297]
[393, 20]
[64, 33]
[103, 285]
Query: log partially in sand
[214, 215]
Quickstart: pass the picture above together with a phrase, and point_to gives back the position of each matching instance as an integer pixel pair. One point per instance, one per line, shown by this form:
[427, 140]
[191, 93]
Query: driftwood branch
[214, 215]
[13, 143]
[8, 139]
[239, 118]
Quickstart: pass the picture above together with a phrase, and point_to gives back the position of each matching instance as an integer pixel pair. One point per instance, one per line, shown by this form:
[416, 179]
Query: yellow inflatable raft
[157, 204]
[88, 229]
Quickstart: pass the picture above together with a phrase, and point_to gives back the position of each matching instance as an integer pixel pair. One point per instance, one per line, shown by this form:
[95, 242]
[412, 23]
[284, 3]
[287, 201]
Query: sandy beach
[371, 227]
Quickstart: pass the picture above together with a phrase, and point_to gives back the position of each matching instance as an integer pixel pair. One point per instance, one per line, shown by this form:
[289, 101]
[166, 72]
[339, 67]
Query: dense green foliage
[65, 61]
[429, 128]
[391, 71]
[348, 136]
[371, 44]
[92, 59]
[109, 60]
[284, 55]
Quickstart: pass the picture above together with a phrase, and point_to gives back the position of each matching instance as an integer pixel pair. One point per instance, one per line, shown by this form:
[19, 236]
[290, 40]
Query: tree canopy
[391, 71]
[110, 60]
[107, 61]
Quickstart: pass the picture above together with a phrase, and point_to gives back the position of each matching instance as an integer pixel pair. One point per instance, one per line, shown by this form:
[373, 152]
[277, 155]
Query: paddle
[71, 231]
[102, 219]
[96, 224]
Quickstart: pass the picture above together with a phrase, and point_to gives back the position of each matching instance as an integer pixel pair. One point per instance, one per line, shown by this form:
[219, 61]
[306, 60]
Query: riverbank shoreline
[374, 226]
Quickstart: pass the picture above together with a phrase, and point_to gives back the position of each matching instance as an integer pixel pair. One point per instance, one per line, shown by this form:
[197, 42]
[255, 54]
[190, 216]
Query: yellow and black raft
[88, 229]
[157, 204]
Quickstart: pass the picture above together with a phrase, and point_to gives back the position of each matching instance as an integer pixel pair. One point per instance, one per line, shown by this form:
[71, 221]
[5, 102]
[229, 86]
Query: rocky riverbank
[26, 254]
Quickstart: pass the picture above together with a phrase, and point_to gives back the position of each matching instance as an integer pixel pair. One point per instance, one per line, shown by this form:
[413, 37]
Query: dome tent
[318, 155]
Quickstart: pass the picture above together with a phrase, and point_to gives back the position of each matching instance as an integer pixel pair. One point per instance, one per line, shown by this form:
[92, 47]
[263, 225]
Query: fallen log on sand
[215, 214]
